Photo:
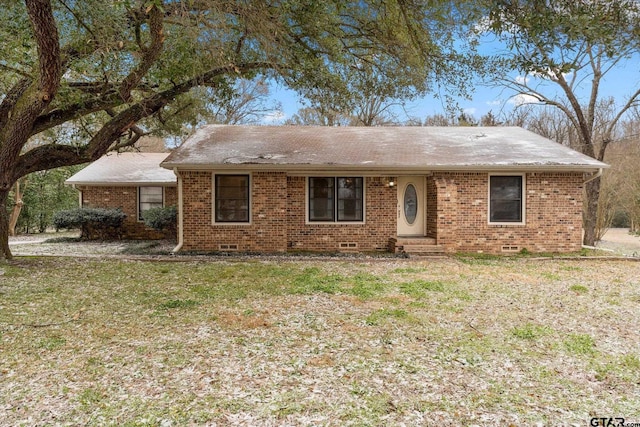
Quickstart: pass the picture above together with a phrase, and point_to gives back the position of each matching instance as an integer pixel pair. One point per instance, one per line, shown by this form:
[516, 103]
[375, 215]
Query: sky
[619, 83]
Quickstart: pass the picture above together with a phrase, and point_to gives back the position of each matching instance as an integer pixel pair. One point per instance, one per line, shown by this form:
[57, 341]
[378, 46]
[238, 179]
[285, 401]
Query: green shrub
[92, 222]
[162, 219]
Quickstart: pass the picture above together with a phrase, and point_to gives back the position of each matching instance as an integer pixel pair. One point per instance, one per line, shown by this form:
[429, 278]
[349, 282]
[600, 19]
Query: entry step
[415, 246]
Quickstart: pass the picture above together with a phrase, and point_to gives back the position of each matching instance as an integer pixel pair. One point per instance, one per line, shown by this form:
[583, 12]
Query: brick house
[413, 189]
[133, 182]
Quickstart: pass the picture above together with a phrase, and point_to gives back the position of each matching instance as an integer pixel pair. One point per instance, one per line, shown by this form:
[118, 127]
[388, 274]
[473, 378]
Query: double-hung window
[231, 198]
[506, 199]
[336, 199]
[149, 198]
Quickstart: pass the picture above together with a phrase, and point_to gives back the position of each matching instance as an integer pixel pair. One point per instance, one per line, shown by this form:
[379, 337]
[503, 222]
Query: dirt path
[620, 242]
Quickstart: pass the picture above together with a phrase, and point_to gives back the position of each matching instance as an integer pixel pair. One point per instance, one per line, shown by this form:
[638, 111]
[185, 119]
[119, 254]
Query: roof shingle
[125, 169]
[373, 148]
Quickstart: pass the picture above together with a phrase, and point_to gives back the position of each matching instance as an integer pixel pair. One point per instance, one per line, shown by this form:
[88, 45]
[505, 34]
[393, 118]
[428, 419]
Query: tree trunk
[592, 190]
[5, 252]
[17, 208]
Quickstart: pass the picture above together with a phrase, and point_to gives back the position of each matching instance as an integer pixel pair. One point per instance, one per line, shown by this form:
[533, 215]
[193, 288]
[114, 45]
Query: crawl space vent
[228, 247]
[348, 245]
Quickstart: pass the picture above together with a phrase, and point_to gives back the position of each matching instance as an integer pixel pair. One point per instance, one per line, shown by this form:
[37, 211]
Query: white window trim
[335, 222]
[524, 200]
[138, 213]
[213, 200]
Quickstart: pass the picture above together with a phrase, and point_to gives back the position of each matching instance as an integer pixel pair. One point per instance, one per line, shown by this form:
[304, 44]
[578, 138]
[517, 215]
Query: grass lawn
[289, 342]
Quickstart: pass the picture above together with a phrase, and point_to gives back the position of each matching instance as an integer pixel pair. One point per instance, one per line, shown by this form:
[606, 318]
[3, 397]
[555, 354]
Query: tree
[373, 90]
[96, 75]
[490, 119]
[561, 47]
[45, 194]
[17, 204]
[463, 119]
[622, 180]
[438, 119]
[552, 123]
[318, 116]
[246, 104]
[371, 101]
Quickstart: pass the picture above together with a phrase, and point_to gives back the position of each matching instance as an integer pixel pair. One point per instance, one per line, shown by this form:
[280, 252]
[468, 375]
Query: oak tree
[91, 76]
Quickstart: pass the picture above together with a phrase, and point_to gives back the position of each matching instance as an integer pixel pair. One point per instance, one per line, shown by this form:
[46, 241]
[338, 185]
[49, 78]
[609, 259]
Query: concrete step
[422, 249]
[415, 241]
[417, 246]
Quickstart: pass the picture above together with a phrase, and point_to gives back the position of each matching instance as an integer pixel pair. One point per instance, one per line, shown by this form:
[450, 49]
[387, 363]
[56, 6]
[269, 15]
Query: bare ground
[469, 342]
[621, 242]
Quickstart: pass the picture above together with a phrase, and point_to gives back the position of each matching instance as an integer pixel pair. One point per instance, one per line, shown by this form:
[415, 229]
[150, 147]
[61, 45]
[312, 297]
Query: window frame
[336, 201]
[214, 180]
[523, 192]
[140, 210]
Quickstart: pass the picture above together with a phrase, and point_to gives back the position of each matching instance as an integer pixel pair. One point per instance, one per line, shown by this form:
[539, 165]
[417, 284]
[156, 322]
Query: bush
[162, 219]
[92, 222]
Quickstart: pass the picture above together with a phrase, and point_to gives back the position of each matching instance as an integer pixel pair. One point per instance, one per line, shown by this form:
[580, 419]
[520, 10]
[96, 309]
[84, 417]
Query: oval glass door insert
[410, 204]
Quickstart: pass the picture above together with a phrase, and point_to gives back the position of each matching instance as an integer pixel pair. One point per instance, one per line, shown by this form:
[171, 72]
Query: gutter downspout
[595, 176]
[180, 214]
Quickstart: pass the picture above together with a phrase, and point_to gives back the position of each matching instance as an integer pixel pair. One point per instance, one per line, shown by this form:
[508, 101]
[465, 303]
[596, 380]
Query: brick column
[446, 213]
[269, 202]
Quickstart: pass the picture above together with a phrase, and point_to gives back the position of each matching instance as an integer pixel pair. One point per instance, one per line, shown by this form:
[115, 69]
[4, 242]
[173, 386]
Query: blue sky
[619, 83]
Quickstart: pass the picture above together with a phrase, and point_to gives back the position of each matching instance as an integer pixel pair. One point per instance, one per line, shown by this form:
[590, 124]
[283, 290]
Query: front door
[411, 206]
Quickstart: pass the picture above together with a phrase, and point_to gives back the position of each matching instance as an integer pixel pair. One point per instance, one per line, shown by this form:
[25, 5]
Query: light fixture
[390, 181]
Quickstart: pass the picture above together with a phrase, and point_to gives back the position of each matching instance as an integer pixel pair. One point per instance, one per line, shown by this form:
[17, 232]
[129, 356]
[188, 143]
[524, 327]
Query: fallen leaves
[497, 344]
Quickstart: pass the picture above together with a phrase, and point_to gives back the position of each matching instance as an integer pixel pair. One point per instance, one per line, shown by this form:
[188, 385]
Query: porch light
[391, 182]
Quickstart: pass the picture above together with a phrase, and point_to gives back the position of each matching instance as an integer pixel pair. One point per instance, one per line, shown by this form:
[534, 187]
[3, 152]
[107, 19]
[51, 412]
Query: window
[231, 198]
[506, 199]
[336, 199]
[149, 198]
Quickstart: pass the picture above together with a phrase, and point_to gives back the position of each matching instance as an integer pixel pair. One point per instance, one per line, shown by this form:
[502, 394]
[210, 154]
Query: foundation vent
[348, 245]
[510, 248]
[228, 247]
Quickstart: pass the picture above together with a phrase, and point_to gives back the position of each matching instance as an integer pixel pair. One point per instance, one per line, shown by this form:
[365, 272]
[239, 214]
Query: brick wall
[126, 198]
[457, 216]
[553, 216]
[278, 214]
[372, 235]
[267, 231]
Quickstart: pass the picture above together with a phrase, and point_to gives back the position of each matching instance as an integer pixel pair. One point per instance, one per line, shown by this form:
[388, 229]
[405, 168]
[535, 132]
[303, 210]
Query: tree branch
[596, 67]
[12, 96]
[150, 54]
[77, 18]
[32, 97]
[578, 119]
[15, 70]
[524, 89]
[45, 32]
[58, 116]
[55, 155]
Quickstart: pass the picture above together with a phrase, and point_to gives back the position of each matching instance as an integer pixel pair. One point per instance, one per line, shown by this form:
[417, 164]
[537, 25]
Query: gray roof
[125, 169]
[374, 148]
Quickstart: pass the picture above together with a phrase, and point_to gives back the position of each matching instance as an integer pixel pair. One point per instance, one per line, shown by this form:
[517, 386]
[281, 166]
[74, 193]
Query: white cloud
[549, 75]
[522, 80]
[495, 102]
[523, 99]
[471, 111]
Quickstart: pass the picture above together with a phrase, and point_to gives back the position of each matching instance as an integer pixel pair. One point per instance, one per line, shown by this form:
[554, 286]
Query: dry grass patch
[481, 342]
